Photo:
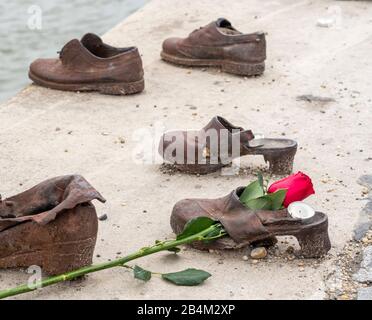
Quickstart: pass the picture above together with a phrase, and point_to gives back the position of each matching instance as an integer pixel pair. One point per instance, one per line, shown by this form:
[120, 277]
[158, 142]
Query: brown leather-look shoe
[211, 148]
[91, 65]
[245, 226]
[219, 44]
[52, 225]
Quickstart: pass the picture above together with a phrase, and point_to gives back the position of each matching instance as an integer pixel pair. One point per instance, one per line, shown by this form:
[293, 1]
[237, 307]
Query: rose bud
[298, 186]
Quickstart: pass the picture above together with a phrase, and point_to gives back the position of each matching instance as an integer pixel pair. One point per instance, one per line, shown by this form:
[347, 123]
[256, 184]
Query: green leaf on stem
[261, 203]
[195, 226]
[141, 274]
[261, 181]
[272, 201]
[188, 277]
[175, 249]
[277, 199]
[213, 234]
[253, 191]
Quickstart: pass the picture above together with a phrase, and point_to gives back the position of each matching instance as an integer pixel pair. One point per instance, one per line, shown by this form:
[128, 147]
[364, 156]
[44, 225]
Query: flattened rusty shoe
[219, 44]
[91, 65]
[52, 225]
[245, 226]
[218, 143]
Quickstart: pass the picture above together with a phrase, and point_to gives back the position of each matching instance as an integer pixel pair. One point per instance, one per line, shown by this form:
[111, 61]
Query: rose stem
[115, 263]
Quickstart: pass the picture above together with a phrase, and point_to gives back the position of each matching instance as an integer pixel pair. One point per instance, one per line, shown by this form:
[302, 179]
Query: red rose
[298, 186]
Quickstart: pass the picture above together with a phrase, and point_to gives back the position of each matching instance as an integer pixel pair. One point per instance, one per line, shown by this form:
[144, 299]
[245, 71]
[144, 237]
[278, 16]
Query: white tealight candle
[259, 136]
[300, 210]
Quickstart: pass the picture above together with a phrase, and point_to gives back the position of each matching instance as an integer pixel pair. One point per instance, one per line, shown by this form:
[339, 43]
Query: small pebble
[291, 257]
[259, 253]
[102, 217]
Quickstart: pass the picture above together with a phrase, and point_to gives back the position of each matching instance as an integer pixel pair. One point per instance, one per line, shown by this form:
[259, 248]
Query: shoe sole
[241, 69]
[117, 88]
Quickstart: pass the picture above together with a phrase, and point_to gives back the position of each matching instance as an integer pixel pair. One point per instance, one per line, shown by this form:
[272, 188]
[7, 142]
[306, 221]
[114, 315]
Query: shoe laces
[196, 30]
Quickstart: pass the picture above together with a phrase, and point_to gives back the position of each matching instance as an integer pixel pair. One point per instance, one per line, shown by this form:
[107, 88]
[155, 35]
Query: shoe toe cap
[184, 211]
[43, 68]
[170, 46]
[36, 67]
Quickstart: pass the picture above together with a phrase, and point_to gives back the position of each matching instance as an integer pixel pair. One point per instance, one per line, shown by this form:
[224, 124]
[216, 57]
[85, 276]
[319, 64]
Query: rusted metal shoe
[218, 143]
[52, 225]
[91, 65]
[246, 227]
[219, 44]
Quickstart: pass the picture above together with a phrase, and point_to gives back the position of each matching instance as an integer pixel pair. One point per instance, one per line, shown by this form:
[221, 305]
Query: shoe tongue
[224, 23]
[74, 43]
[90, 41]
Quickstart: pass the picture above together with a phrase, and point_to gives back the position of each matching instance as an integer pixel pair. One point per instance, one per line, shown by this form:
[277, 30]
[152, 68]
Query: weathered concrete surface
[303, 59]
[365, 219]
[365, 293]
[365, 272]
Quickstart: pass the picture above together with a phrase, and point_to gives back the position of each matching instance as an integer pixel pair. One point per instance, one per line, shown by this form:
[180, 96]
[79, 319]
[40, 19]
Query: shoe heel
[244, 69]
[314, 243]
[280, 163]
[122, 88]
